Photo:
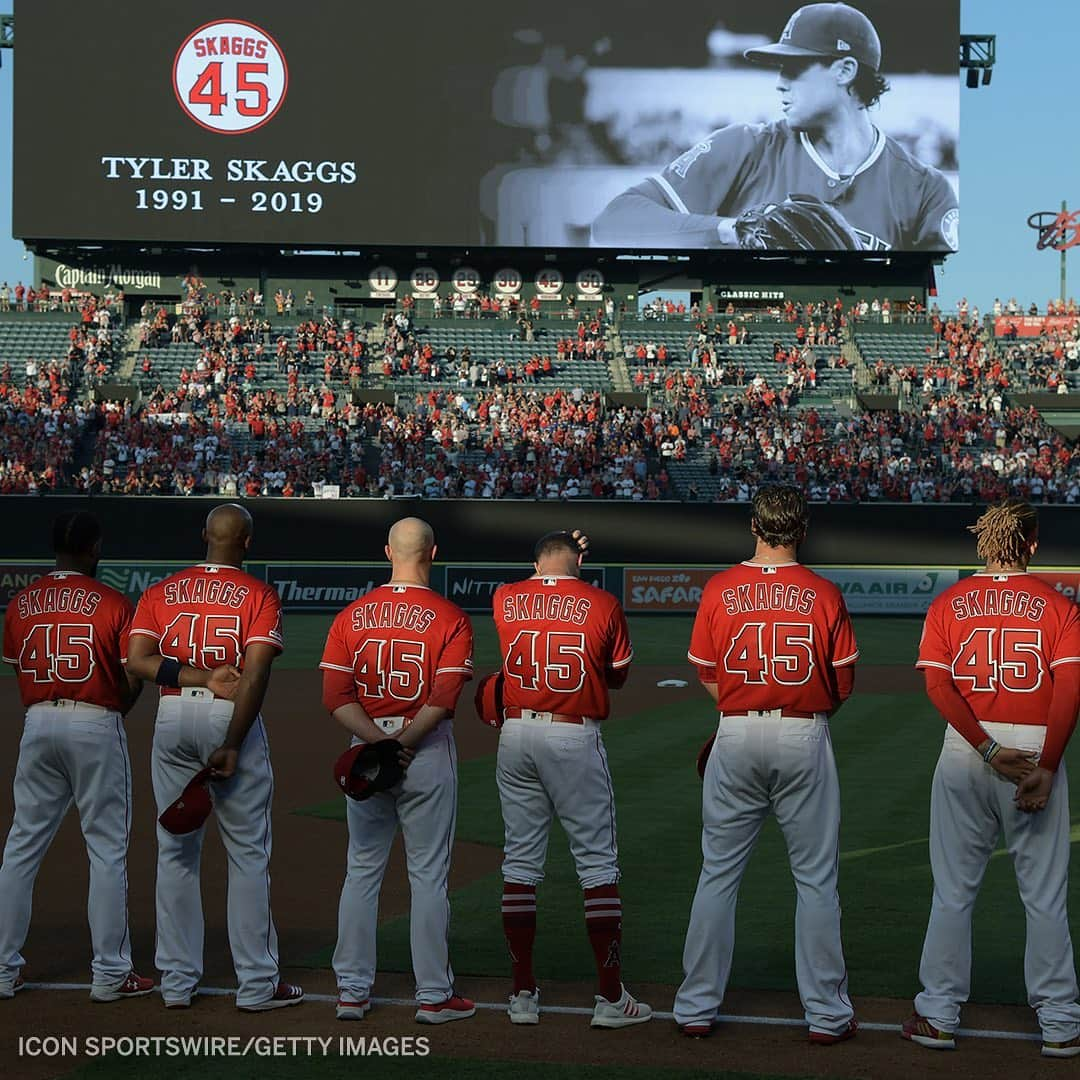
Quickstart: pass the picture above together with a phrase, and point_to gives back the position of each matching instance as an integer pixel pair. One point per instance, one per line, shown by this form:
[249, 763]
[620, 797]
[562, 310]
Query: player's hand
[405, 756]
[223, 680]
[1013, 764]
[1033, 792]
[222, 763]
[582, 542]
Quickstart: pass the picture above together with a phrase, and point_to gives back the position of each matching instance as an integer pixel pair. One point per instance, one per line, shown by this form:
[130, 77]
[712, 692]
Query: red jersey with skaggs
[558, 637]
[775, 636]
[66, 636]
[1000, 636]
[395, 641]
[208, 615]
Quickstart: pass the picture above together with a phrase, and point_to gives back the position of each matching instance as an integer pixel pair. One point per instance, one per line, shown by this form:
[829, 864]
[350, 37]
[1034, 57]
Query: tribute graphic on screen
[627, 126]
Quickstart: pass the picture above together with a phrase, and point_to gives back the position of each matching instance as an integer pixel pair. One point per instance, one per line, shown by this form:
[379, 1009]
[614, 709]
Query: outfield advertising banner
[888, 591]
[472, 587]
[1066, 582]
[16, 576]
[324, 587]
[867, 591]
[663, 589]
[133, 579]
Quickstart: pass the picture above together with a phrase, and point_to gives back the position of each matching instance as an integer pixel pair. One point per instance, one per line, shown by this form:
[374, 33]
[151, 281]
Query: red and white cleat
[134, 986]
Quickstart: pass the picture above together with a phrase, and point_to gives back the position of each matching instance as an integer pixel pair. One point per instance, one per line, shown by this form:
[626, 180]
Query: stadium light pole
[978, 54]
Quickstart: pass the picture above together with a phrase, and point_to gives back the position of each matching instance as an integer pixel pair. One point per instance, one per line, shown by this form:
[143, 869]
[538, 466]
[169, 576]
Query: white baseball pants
[545, 769]
[757, 765]
[424, 804]
[71, 753]
[970, 807]
[189, 727]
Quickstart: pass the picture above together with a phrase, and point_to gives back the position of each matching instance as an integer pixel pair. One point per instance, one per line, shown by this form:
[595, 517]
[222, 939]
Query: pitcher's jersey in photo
[396, 641]
[1000, 636]
[66, 635]
[208, 615]
[893, 201]
[558, 637]
[775, 636]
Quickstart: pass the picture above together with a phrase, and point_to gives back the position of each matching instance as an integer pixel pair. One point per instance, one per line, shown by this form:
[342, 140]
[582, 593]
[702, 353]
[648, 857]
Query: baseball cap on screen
[824, 30]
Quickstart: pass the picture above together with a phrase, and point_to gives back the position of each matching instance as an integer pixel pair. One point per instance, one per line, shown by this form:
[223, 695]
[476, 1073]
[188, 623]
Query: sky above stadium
[1018, 154]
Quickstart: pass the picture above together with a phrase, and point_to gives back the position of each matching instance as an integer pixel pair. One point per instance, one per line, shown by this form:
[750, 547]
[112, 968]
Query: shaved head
[411, 539]
[228, 526]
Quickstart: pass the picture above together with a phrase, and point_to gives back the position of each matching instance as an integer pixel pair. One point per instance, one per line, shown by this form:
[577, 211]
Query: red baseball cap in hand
[193, 807]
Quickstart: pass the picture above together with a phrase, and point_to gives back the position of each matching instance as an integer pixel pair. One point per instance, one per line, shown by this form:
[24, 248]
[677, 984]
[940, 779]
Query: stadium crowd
[258, 409]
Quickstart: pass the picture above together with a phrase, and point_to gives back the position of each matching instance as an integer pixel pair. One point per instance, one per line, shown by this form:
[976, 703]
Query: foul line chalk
[574, 1010]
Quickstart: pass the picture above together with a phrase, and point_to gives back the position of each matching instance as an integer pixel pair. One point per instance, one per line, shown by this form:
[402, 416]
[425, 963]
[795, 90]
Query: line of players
[773, 646]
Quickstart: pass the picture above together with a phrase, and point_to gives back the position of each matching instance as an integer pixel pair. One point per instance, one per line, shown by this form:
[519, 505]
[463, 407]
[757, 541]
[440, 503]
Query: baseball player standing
[828, 60]
[1001, 655]
[394, 665]
[775, 649]
[195, 634]
[564, 643]
[66, 636]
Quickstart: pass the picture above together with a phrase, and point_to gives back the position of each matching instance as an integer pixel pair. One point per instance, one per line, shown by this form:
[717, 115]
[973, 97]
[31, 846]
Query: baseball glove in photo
[799, 223]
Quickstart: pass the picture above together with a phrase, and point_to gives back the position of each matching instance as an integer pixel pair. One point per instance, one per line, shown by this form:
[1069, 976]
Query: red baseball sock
[519, 926]
[603, 920]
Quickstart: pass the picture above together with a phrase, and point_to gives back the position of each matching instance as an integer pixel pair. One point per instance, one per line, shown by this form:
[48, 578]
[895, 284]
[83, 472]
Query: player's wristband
[991, 751]
[168, 673]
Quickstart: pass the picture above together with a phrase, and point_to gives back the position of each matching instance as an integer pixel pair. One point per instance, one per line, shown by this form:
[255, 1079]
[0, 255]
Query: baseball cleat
[10, 991]
[133, 986]
[353, 1010]
[831, 1038]
[696, 1031]
[453, 1008]
[525, 1007]
[919, 1030]
[621, 1013]
[1061, 1049]
[286, 994]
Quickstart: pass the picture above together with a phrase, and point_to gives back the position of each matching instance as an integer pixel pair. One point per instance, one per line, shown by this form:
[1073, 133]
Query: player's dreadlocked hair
[1004, 532]
[780, 515]
[75, 533]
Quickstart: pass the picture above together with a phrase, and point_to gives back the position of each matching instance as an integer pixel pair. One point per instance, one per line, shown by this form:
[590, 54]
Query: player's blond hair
[1004, 532]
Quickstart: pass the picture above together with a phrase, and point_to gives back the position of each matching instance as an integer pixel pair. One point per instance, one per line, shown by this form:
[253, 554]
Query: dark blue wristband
[168, 673]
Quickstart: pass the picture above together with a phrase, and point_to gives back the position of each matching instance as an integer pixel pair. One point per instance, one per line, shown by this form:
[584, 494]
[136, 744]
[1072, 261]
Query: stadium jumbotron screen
[618, 124]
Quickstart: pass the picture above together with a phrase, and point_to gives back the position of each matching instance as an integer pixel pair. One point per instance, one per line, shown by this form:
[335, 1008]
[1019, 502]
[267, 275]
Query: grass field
[886, 746]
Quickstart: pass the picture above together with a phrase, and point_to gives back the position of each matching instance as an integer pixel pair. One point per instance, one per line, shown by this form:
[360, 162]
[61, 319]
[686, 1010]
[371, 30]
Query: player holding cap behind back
[775, 649]
[206, 635]
[742, 185]
[1001, 654]
[66, 635]
[394, 665]
[564, 643]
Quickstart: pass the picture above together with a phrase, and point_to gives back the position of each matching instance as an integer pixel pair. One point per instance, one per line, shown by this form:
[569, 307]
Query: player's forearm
[634, 220]
[247, 701]
[713, 690]
[845, 685]
[354, 719]
[950, 703]
[1061, 718]
[147, 665]
[422, 724]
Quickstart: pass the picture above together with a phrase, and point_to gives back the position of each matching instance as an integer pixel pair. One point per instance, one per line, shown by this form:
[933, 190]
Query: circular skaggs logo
[230, 76]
